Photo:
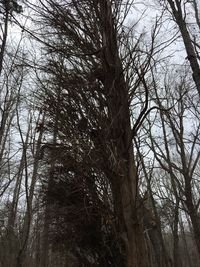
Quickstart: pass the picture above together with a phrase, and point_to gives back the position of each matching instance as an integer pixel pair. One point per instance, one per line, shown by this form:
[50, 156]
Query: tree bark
[124, 182]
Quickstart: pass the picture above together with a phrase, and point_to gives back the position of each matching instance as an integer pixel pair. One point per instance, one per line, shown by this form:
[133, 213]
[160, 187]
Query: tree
[86, 49]
[177, 149]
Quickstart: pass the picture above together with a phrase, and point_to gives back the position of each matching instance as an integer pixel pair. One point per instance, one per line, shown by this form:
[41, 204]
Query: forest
[99, 133]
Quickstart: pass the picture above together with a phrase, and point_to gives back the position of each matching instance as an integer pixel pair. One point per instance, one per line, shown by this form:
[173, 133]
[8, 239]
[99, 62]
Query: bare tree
[177, 151]
[91, 54]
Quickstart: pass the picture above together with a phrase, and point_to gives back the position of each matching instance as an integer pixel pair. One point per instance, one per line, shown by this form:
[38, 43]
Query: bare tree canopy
[99, 133]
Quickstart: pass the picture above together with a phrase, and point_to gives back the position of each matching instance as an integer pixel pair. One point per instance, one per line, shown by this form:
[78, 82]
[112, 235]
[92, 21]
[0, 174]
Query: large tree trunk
[136, 247]
[124, 180]
[129, 226]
